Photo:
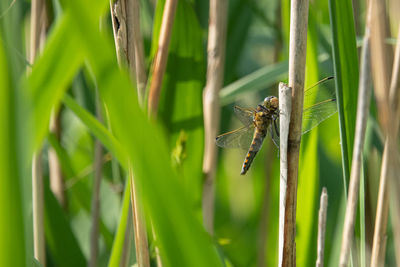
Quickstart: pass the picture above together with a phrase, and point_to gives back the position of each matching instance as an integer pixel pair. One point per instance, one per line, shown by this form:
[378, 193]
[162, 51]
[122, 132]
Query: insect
[263, 120]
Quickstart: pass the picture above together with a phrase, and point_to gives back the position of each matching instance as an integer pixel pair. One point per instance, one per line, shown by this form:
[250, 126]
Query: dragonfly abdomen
[254, 148]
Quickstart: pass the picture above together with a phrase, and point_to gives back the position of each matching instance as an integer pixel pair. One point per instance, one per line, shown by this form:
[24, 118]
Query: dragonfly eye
[271, 102]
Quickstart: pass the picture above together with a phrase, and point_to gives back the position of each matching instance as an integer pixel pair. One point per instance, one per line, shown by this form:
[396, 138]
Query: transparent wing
[317, 113]
[245, 115]
[321, 91]
[319, 103]
[240, 138]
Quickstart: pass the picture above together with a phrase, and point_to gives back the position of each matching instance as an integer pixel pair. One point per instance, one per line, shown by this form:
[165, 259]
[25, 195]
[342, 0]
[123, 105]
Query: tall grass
[166, 155]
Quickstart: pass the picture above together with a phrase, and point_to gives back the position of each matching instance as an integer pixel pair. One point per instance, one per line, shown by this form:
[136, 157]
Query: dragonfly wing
[315, 114]
[240, 138]
[245, 115]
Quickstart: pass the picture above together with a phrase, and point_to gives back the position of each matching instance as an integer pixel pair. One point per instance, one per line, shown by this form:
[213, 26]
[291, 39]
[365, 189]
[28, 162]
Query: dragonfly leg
[276, 127]
[273, 137]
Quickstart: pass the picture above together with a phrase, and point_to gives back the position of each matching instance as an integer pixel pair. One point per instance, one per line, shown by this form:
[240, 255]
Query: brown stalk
[160, 60]
[297, 61]
[389, 169]
[37, 31]
[395, 183]
[141, 242]
[323, 209]
[364, 95]
[211, 106]
[129, 49]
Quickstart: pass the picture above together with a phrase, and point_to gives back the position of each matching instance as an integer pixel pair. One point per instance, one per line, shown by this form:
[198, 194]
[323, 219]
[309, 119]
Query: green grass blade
[258, 80]
[62, 244]
[55, 69]
[98, 129]
[346, 75]
[181, 94]
[12, 233]
[119, 240]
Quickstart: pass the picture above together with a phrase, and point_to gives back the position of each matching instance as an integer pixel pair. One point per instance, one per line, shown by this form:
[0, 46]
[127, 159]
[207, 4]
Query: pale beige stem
[129, 49]
[57, 184]
[364, 95]
[285, 109]
[211, 106]
[297, 62]
[323, 209]
[161, 57]
[36, 28]
[389, 169]
[395, 183]
[135, 37]
[141, 242]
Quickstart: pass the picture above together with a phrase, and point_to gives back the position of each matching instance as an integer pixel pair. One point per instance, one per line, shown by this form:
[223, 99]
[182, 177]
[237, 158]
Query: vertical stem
[364, 94]
[211, 106]
[285, 108]
[56, 179]
[129, 48]
[142, 252]
[135, 38]
[297, 61]
[323, 209]
[160, 60]
[95, 205]
[389, 163]
[37, 26]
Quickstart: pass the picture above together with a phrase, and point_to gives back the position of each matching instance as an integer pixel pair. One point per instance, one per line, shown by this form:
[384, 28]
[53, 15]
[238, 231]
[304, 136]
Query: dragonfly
[262, 121]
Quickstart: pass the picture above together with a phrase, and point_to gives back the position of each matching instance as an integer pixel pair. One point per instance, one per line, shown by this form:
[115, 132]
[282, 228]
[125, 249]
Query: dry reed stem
[389, 169]
[364, 95]
[297, 61]
[128, 42]
[133, 12]
[211, 105]
[285, 108]
[37, 29]
[57, 184]
[323, 209]
[394, 97]
[160, 60]
[119, 23]
[38, 209]
[141, 242]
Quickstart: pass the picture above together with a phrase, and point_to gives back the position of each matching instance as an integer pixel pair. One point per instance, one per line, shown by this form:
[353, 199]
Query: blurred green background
[78, 60]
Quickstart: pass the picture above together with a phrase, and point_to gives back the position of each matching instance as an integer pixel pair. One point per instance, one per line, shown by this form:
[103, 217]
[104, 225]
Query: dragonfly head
[271, 102]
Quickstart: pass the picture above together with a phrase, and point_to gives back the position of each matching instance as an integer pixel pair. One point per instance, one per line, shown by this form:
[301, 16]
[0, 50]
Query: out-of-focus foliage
[166, 156]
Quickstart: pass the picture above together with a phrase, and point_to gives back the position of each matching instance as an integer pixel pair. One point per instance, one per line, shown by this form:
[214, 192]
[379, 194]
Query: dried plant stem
[211, 106]
[297, 61]
[128, 41]
[133, 12]
[129, 49]
[285, 108]
[57, 185]
[395, 183]
[141, 242]
[323, 209]
[160, 60]
[364, 95]
[36, 31]
[389, 168]
[38, 209]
